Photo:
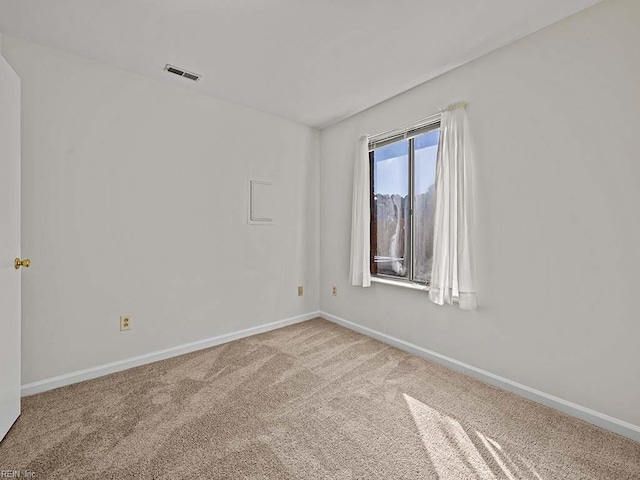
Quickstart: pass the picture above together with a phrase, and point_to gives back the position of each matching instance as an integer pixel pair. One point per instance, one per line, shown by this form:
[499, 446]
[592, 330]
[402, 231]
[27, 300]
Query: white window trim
[421, 287]
[400, 283]
[405, 132]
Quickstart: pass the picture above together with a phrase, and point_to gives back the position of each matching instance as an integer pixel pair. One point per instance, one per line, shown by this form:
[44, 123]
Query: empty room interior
[319, 240]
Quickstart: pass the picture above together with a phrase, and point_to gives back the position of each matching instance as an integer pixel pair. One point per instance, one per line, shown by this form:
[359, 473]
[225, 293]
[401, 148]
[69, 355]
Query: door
[9, 247]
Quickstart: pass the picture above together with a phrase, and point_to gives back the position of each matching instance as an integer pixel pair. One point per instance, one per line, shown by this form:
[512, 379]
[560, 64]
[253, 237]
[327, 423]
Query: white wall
[555, 117]
[135, 201]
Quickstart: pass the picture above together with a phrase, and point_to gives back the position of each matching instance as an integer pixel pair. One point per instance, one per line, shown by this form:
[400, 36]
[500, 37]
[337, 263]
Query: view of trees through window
[402, 183]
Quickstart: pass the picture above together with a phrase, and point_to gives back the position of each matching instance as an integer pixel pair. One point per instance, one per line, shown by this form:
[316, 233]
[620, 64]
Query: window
[403, 169]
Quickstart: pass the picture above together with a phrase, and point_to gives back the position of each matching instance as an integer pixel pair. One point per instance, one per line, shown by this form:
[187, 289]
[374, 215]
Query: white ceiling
[314, 62]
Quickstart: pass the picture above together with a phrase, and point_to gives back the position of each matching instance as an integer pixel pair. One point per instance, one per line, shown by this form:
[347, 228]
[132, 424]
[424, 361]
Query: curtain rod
[423, 121]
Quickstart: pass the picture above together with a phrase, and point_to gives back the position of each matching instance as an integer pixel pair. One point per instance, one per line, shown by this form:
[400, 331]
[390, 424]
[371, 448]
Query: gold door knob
[26, 263]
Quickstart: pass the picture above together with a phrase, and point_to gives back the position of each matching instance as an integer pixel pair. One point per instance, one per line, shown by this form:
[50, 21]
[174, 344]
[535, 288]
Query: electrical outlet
[334, 291]
[300, 291]
[125, 322]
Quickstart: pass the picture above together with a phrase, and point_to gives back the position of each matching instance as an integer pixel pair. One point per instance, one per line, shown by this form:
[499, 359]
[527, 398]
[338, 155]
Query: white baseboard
[596, 418]
[101, 370]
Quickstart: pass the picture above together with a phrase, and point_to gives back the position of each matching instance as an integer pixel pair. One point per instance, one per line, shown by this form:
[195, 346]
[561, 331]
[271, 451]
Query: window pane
[390, 212]
[426, 152]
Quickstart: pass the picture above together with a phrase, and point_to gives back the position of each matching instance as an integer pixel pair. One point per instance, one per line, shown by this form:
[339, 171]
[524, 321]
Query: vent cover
[182, 73]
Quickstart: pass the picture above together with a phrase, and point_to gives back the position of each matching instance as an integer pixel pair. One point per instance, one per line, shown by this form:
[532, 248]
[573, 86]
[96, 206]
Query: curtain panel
[360, 272]
[452, 275]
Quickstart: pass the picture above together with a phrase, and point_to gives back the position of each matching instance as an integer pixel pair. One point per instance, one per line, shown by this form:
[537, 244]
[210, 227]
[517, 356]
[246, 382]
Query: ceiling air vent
[182, 73]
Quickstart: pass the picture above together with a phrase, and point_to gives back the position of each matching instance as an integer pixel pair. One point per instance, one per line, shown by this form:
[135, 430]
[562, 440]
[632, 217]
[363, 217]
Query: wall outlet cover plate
[125, 322]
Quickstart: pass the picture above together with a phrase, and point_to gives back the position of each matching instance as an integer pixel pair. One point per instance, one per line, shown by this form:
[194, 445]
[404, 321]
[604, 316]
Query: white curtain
[360, 272]
[452, 275]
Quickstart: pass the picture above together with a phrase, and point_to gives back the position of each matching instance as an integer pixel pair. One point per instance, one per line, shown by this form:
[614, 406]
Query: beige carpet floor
[312, 400]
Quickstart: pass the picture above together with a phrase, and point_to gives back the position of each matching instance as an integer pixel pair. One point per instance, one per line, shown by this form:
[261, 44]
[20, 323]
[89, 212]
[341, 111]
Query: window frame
[408, 133]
